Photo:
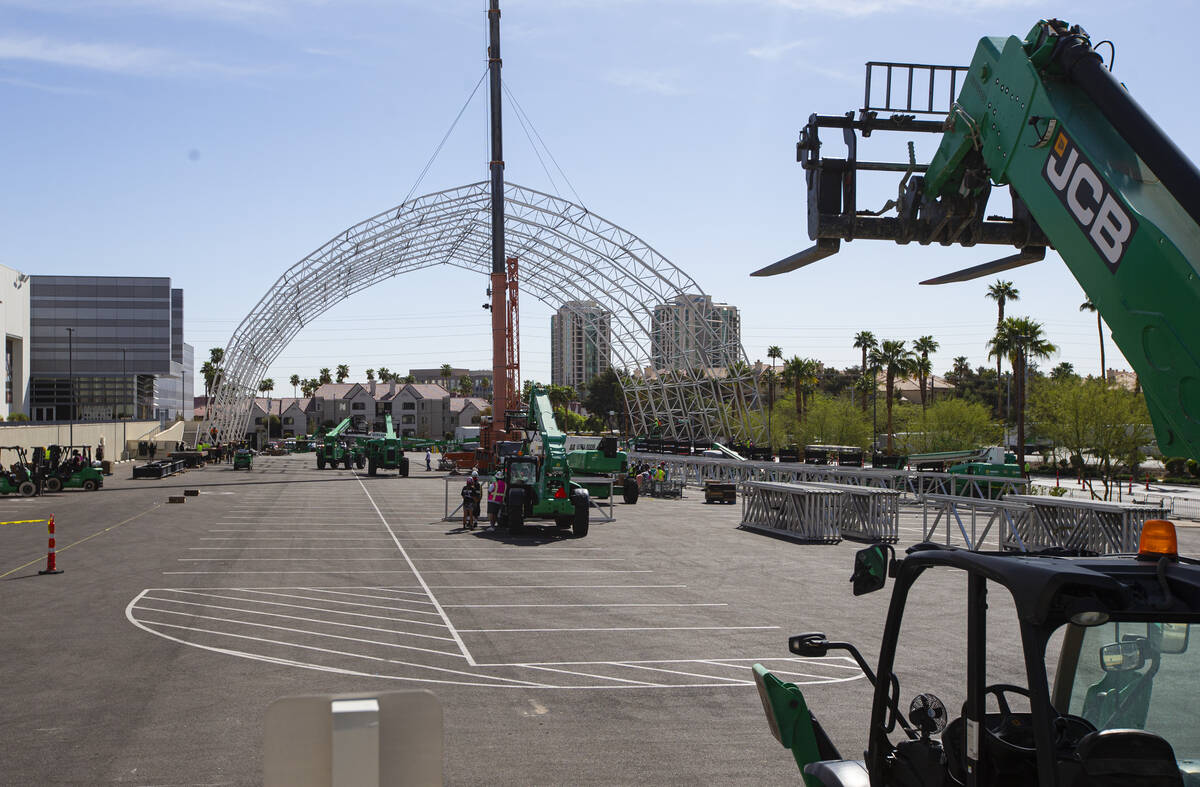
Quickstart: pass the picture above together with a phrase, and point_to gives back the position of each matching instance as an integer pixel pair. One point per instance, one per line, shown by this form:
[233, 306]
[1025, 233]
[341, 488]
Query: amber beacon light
[1158, 539]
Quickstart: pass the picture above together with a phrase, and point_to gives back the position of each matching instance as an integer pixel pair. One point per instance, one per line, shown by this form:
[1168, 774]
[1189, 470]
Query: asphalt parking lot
[623, 657]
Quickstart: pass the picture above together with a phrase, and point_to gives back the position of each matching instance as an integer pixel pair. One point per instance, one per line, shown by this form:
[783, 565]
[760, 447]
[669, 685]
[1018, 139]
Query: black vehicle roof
[1046, 587]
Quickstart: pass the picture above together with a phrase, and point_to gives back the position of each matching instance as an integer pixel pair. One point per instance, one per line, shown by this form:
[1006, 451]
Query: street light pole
[124, 419]
[71, 383]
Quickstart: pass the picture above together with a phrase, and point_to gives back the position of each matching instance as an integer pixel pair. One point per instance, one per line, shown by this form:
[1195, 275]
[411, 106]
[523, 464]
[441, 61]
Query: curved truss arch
[567, 255]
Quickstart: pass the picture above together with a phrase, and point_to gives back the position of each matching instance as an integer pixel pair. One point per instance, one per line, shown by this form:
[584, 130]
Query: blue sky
[221, 141]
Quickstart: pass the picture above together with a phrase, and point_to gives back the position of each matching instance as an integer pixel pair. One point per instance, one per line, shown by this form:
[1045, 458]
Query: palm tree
[408, 378]
[370, 375]
[802, 373]
[925, 345]
[465, 386]
[865, 341]
[266, 386]
[343, 371]
[211, 371]
[896, 360]
[385, 374]
[1088, 306]
[922, 367]
[1019, 339]
[774, 352]
[324, 377]
[295, 381]
[447, 371]
[961, 369]
[1001, 292]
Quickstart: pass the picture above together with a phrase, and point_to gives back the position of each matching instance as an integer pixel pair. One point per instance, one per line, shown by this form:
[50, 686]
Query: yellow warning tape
[24, 521]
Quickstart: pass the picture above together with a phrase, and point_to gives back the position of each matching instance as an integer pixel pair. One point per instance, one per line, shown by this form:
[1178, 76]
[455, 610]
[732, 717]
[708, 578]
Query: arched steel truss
[566, 254]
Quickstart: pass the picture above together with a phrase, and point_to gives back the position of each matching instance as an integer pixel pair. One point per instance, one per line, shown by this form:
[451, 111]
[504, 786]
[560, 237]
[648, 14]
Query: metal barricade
[1009, 519]
[804, 512]
[989, 487]
[1098, 526]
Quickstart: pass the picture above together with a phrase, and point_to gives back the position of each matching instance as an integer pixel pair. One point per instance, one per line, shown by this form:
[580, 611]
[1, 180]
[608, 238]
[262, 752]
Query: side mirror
[1122, 656]
[1174, 638]
[870, 569]
[811, 645]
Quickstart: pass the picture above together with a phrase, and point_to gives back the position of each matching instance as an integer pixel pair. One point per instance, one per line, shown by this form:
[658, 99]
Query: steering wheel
[1013, 732]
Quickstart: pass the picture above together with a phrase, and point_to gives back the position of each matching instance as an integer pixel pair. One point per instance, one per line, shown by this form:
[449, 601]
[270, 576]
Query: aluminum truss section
[567, 254]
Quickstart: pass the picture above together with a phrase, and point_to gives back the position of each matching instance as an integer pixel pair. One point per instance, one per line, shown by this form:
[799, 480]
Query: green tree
[267, 385]
[370, 375]
[922, 367]
[923, 346]
[775, 353]
[603, 393]
[1063, 371]
[211, 371]
[343, 371]
[325, 378]
[955, 424]
[447, 371]
[895, 360]
[835, 420]
[1001, 292]
[295, 382]
[385, 375]
[1091, 418]
[1088, 306]
[408, 378]
[465, 387]
[1020, 339]
[308, 386]
[801, 373]
[865, 341]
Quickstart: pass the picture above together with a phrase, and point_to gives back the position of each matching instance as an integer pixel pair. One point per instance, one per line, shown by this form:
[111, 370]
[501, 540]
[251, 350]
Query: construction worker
[495, 499]
[472, 493]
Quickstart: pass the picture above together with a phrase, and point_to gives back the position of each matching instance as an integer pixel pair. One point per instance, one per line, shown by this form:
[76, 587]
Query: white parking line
[592, 675]
[624, 628]
[142, 608]
[488, 606]
[417, 574]
[310, 609]
[681, 672]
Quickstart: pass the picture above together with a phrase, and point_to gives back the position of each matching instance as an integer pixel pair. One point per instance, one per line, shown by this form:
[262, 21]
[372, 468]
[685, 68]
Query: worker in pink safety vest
[495, 496]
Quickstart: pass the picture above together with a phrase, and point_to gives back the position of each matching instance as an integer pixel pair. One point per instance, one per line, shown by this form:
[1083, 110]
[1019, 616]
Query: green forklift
[19, 478]
[243, 459]
[70, 467]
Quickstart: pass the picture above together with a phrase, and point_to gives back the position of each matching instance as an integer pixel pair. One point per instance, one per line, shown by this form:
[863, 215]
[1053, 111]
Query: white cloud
[775, 51]
[60, 89]
[114, 58]
[664, 82]
[100, 57]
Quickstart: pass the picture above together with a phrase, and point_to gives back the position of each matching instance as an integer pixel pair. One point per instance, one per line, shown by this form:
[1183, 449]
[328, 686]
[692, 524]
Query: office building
[14, 317]
[107, 347]
[580, 343]
[693, 332]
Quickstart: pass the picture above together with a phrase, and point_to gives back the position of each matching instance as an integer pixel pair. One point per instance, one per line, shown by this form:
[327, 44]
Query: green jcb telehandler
[540, 487]
[385, 453]
[336, 448]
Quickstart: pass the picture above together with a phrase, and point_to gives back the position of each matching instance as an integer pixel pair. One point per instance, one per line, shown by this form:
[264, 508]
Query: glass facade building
[107, 347]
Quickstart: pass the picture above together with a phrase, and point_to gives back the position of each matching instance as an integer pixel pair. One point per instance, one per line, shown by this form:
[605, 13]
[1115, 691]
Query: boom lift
[540, 487]
[1090, 173]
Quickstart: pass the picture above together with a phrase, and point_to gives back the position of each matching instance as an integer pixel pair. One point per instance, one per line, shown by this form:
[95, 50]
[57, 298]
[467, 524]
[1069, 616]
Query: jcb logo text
[1106, 222]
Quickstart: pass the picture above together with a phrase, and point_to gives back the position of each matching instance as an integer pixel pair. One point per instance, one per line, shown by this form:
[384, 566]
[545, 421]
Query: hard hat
[474, 474]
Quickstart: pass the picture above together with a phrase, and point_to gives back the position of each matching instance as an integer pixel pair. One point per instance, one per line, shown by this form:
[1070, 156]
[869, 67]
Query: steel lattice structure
[566, 254]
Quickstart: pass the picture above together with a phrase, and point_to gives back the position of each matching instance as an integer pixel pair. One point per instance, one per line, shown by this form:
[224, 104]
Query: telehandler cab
[1120, 710]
